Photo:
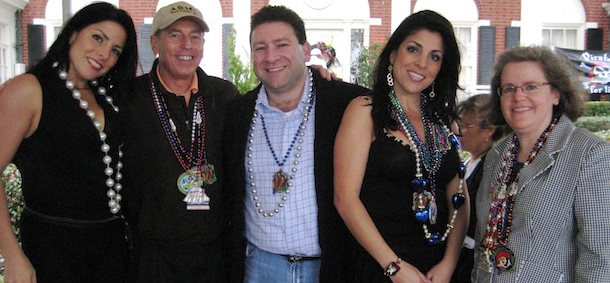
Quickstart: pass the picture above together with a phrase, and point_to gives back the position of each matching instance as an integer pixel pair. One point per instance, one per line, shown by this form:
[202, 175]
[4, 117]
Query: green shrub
[597, 108]
[594, 123]
[241, 75]
[366, 65]
[11, 179]
[605, 135]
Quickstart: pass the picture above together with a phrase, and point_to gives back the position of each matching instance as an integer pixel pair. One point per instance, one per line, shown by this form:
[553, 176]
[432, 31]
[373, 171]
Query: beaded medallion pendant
[281, 180]
[438, 141]
[496, 254]
[197, 171]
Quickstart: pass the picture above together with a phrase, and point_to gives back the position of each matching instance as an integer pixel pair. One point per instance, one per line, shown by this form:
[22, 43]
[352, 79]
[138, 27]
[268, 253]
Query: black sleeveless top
[387, 195]
[61, 163]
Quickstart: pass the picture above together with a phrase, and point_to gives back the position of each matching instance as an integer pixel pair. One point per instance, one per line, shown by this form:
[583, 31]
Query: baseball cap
[167, 15]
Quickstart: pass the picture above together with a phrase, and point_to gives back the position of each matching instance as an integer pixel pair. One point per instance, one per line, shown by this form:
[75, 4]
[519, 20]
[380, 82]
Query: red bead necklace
[496, 253]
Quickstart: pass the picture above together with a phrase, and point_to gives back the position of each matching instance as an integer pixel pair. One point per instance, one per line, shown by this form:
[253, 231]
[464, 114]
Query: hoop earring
[389, 76]
[432, 94]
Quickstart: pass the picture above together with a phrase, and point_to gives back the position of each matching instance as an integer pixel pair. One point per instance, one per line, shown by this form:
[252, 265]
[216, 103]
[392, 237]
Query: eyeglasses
[528, 88]
[464, 127]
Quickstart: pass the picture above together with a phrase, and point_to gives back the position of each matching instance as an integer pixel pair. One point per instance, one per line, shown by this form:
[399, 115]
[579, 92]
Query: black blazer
[472, 183]
[331, 99]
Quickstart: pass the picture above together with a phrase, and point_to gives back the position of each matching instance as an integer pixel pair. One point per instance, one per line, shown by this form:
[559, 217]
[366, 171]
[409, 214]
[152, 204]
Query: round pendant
[188, 180]
[504, 259]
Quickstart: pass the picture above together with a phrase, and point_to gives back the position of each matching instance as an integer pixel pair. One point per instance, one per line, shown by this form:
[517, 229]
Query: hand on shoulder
[326, 73]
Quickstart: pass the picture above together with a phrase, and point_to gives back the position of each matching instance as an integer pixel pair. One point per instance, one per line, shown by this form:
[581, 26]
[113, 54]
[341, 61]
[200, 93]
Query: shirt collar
[263, 99]
[194, 88]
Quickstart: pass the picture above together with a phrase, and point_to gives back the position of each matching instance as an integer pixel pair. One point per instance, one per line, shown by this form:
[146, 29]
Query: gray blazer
[561, 217]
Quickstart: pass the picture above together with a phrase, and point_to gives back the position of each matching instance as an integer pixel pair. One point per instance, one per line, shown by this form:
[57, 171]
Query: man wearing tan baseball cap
[173, 12]
[174, 118]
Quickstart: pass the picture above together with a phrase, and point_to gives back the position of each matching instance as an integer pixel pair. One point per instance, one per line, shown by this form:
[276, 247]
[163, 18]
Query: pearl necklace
[499, 220]
[439, 139]
[114, 187]
[281, 180]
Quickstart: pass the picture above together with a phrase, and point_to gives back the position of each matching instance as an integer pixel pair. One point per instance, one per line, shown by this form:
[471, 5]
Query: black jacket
[153, 204]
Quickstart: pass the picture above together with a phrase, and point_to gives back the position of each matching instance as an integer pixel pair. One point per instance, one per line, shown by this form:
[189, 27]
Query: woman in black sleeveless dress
[398, 176]
[58, 124]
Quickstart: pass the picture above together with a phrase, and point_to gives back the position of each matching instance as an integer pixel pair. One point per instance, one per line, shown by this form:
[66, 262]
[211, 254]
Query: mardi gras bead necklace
[499, 221]
[281, 180]
[197, 171]
[113, 184]
[439, 140]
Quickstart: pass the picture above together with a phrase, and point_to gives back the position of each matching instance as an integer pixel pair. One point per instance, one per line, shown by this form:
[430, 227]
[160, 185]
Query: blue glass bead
[458, 200]
[422, 216]
[419, 184]
[455, 141]
[434, 239]
[462, 171]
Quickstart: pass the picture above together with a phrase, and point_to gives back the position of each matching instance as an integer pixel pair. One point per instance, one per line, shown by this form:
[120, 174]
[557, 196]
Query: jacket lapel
[556, 141]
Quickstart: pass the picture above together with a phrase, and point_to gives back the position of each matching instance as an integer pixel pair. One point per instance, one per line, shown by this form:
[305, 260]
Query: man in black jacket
[174, 118]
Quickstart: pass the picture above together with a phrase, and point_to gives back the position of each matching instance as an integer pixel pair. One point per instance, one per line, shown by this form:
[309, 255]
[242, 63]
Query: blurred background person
[542, 209]
[59, 125]
[477, 137]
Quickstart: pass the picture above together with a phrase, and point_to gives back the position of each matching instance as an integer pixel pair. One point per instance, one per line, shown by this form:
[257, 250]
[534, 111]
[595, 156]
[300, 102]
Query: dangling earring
[432, 94]
[389, 76]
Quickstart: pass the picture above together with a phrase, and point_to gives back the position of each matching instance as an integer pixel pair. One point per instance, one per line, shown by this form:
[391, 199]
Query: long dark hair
[127, 63]
[446, 82]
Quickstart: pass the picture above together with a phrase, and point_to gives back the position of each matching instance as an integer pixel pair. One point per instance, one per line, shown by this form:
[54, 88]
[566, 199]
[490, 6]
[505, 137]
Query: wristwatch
[393, 268]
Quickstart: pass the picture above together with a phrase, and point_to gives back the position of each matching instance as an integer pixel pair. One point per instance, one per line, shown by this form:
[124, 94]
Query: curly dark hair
[127, 63]
[446, 82]
[558, 72]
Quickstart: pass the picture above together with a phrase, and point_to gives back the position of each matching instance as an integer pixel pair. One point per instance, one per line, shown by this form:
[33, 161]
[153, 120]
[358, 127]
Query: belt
[297, 258]
[67, 222]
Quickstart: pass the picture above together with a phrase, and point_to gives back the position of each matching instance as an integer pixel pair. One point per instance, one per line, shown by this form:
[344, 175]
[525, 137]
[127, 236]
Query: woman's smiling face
[417, 62]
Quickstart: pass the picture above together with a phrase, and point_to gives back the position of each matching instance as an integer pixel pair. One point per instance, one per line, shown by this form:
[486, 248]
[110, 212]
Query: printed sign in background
[594, 67]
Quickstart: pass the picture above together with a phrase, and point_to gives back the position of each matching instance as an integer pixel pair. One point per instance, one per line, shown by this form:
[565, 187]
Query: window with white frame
[468, 48]
[4, 60]
[560, 37]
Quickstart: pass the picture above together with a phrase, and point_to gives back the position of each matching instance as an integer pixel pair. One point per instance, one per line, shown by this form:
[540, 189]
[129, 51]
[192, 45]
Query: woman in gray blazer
[542, 205]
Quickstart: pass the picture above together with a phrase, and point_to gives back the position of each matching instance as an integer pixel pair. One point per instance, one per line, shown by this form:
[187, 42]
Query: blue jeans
[266, 267]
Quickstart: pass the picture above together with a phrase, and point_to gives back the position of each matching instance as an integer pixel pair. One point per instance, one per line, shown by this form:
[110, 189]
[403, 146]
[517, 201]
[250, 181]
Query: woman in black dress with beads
[398, 176]
[58, 124]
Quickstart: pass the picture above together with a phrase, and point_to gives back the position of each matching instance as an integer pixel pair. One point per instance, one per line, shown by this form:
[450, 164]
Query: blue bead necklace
[439, 140]
[281, 180]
